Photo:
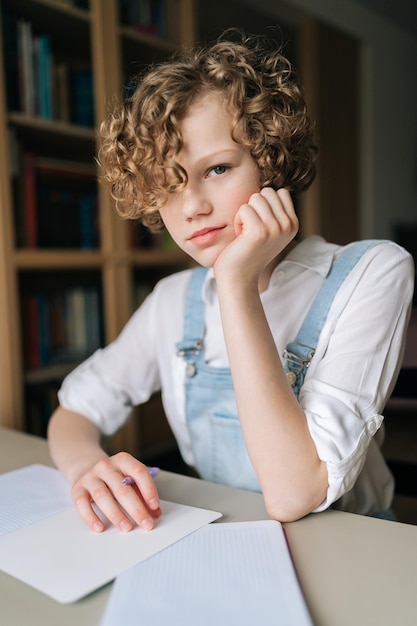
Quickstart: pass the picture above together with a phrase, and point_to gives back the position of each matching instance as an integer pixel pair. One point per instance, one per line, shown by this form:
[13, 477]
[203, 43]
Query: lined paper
[31, 494]
[232, 573]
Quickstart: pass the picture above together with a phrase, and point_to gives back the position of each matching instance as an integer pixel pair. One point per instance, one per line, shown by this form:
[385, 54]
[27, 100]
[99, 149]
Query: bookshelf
[71, 270]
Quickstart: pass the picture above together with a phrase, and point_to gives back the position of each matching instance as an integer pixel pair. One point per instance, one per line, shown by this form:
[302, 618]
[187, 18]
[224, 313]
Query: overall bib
[211, 413]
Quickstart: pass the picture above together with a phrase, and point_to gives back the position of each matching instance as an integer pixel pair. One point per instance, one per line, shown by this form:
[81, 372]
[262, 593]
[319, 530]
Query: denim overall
[211, 413]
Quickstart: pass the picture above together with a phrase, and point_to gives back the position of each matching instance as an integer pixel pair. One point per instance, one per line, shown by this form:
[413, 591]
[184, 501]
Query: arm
[291, 475]
[75, 447]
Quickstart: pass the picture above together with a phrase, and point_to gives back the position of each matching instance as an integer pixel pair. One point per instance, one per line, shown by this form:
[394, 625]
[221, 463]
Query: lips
[205, 236]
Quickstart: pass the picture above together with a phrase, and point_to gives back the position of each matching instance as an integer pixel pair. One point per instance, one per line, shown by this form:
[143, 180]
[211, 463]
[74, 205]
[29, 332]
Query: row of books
[147, 16]
[40, 85]
[61, 326]
[56, 203]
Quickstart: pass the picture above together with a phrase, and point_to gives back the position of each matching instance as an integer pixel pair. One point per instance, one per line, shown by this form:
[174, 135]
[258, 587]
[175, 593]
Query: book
[11, 59]
[44, 74]
[59, 204]
[81, 92]
[37, 83]
[30, 225]
[147, 16]
[61, 326]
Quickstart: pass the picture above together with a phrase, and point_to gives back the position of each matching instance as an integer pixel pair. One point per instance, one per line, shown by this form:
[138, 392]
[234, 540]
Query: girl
[211, 145]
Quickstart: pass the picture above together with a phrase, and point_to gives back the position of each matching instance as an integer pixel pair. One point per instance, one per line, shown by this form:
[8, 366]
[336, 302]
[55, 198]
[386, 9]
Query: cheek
[240, 194]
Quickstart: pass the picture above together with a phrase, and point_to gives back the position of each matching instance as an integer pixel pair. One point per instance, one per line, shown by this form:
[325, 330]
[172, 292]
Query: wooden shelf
[38, 125]
[56, 259]
[139, 38]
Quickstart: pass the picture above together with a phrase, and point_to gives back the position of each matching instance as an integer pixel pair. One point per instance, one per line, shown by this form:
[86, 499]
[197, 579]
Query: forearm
[74, 443]
[292, 477]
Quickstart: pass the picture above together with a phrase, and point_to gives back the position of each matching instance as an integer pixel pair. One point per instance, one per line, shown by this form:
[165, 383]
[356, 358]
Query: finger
[141, 503]
[141, 475]
[286, 199]
[94, 490]
[282, 207]
[264, 215]
[83, 505]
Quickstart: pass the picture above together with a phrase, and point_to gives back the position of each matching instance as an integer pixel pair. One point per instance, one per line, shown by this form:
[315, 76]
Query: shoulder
[383, 269]
[382, 256]
[166, 301]
[173, 282]
[369, 252]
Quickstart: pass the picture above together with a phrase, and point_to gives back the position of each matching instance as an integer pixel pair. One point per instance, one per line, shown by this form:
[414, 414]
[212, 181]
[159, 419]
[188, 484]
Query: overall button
[291, 377]
[190, 370]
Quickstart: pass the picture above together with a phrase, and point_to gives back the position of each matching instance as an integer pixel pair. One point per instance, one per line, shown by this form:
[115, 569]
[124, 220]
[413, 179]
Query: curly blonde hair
[141, 139]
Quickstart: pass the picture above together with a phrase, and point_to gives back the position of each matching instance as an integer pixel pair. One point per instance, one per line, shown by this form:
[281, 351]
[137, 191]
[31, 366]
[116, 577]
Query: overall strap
[193, 333]
[299, 353]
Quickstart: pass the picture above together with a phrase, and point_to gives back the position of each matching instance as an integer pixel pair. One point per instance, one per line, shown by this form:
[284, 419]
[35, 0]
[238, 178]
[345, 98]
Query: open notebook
[44, 542]
[234, 573]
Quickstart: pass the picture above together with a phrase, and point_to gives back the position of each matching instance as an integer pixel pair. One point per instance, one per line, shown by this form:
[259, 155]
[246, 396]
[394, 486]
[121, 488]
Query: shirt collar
[313, 253]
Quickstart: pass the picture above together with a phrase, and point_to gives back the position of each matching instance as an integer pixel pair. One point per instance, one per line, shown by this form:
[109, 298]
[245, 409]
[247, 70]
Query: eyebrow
[221, 155]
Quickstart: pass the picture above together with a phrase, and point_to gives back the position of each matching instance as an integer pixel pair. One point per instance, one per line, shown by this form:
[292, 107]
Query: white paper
[64, 559]
[232, 573]
[30, 494]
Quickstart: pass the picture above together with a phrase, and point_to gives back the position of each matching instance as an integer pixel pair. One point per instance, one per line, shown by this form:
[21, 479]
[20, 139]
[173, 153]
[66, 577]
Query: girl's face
[222, 176]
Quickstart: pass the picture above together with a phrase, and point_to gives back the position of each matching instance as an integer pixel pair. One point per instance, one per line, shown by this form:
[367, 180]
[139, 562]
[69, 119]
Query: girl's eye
[218, 170]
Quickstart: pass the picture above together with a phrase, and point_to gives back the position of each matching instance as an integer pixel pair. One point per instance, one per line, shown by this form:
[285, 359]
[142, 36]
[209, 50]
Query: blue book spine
[45, 77]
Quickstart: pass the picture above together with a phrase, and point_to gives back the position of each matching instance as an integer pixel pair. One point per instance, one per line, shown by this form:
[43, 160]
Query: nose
[195, 202]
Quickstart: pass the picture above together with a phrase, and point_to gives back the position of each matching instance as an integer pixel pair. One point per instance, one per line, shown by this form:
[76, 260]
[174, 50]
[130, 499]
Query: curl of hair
[141, 139]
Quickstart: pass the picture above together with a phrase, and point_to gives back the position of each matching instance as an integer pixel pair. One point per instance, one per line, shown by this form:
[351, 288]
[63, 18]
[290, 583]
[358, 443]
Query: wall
[388, 187]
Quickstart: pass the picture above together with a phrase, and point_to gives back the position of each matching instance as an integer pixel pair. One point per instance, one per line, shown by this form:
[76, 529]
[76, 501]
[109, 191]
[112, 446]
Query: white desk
[354, 571]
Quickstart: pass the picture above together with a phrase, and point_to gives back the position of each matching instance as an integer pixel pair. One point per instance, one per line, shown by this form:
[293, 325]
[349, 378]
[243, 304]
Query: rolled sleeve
[95, 397]
[342, 439]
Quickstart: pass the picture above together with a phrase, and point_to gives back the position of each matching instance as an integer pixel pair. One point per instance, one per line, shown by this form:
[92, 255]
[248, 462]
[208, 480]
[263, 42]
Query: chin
[206, 258]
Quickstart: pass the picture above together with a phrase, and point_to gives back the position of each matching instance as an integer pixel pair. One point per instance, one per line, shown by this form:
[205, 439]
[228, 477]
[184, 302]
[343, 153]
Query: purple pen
[154, 471]
[128, 480]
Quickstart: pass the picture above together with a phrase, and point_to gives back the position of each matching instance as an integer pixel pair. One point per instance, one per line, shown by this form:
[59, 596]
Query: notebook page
[232, 573]
[31, 494]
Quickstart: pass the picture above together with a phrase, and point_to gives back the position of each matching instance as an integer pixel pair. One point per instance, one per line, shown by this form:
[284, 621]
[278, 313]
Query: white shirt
[346, 386]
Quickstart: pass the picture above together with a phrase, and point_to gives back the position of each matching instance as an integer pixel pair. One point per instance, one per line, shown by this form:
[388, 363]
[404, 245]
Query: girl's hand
[123, 505]
[264, 227]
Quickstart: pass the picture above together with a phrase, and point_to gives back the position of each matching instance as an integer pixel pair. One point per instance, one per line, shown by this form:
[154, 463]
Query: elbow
[290, 511]
[292, 506]
[287, 512]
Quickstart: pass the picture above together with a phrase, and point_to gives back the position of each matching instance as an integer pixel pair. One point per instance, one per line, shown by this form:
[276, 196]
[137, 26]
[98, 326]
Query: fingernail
[147, 524]
[98, 527]
[125, 526]
[153, 504]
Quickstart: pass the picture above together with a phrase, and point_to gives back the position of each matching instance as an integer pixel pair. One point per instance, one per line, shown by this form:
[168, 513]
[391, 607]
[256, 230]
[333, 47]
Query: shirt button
[372, 427]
